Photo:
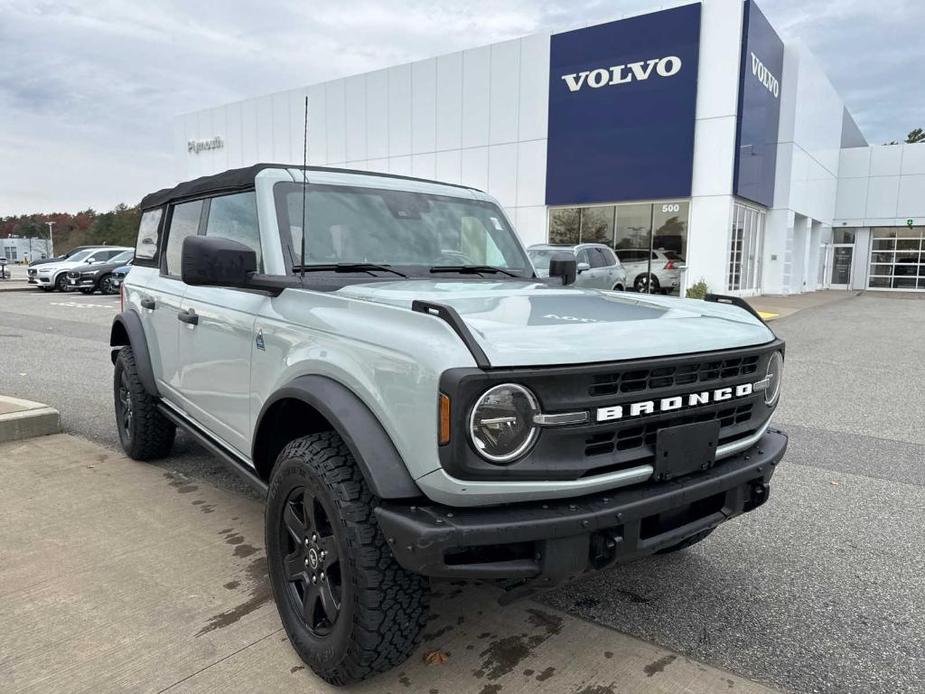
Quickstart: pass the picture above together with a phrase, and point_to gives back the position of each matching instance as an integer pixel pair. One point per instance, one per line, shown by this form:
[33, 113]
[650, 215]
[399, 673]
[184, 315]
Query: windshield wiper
[473, 269]
[348, 267]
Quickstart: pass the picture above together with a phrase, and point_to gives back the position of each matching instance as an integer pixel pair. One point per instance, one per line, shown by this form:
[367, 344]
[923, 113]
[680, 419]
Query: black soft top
[243, 178]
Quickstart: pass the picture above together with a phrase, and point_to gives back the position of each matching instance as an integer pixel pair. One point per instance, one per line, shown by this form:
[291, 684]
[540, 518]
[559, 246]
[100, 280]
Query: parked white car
[51, 276]
[664, 275]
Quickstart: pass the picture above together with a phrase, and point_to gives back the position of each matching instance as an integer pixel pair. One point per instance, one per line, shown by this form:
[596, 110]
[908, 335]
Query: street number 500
[671, 208]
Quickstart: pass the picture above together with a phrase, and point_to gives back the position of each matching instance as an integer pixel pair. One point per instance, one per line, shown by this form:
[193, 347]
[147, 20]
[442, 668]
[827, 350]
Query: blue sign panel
[759, 108]
[622, 100]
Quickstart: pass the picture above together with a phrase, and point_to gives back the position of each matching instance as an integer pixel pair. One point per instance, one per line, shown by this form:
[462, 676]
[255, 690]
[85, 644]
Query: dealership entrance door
[746, 246]
[842, 262]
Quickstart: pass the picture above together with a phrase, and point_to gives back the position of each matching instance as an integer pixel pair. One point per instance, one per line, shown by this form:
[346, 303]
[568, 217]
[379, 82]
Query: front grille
[670, 376]
[627, 441]
[644, 435]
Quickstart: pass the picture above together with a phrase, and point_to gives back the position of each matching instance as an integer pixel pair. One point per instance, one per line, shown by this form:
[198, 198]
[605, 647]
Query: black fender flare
[372, 448]
[128, 330]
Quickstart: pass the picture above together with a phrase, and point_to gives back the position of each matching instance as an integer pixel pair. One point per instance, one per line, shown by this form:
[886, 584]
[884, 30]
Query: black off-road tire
[382, 607]
[144, 432]
[684, 544]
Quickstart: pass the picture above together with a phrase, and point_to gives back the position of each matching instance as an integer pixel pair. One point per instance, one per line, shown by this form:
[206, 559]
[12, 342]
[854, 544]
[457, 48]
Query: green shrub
[698, 290]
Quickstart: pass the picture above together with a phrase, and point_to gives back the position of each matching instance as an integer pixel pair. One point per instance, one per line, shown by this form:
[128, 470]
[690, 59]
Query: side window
[609, 257]
[146, 245]
[234, 217]
[597, 258]
[184, 221]
[584, 256]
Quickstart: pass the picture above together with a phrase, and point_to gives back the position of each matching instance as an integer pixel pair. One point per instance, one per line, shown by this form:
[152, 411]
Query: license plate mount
[686, 448]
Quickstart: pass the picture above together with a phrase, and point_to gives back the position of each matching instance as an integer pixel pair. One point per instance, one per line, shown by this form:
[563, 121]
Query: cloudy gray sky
[88, 90]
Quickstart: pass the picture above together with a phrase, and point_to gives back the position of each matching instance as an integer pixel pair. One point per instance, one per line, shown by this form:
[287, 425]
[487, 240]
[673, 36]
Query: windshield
[416, 231]
[123, 257]
[80, 256]
[541, 257]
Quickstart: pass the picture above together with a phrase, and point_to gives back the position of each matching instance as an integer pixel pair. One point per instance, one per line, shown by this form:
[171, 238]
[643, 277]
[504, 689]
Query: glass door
[842, 262]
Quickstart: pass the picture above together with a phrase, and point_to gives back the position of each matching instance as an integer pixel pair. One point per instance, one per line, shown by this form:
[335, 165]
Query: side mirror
[564, 266]
[90, 261]
[582, 267]
[217, 262]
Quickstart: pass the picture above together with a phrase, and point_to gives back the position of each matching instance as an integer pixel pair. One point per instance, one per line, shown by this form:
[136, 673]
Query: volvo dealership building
[695, 129]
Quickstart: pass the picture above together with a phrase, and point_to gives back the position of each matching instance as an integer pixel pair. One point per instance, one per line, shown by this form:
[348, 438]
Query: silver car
[598, 266]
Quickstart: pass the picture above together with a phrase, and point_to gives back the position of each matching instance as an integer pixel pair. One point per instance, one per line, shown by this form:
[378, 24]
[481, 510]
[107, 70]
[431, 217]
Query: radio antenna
[304, 186]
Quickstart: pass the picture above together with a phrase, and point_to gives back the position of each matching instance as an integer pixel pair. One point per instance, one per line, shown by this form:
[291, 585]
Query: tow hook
[758, 494]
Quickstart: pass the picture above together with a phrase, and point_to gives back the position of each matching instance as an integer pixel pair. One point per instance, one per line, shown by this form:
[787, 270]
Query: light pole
[51, 240]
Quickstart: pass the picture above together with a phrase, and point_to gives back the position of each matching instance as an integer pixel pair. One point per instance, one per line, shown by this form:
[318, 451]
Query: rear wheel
[641, 284]
[349, 609]
[618, 287]
[144, 432]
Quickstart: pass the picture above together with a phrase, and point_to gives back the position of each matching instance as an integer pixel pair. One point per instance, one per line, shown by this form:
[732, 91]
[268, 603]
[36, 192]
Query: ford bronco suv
[378, 355]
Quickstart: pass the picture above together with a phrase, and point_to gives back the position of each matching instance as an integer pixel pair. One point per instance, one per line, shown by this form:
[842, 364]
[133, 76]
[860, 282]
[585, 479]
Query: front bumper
[557, 540]
[81, 283]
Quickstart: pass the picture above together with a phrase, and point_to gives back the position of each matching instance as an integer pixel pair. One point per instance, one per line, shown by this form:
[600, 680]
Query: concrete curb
[16, 286]
[23, 419]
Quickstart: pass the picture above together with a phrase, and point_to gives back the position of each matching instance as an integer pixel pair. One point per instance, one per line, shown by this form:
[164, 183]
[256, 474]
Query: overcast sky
[88, 91]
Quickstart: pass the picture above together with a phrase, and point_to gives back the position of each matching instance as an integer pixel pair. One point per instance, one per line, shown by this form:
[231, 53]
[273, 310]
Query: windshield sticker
[497, 223]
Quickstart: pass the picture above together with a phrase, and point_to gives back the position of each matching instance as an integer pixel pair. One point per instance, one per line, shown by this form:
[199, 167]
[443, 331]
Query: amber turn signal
[443, 428]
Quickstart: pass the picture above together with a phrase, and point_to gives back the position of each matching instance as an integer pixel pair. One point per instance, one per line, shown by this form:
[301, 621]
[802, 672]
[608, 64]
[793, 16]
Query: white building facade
[694, 129]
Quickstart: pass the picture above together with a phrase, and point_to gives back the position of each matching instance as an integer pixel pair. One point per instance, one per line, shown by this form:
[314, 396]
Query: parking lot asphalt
[820, 590]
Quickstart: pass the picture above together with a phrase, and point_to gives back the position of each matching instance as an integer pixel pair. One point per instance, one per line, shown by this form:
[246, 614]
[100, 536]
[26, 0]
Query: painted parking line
[77, 304]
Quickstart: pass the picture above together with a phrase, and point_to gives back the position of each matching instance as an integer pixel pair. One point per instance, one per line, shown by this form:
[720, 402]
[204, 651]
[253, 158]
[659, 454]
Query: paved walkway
[119, 576]
[772, 307]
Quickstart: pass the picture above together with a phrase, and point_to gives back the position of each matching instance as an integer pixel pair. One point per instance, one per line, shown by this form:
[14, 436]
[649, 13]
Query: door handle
[149, 303]
[188, 316]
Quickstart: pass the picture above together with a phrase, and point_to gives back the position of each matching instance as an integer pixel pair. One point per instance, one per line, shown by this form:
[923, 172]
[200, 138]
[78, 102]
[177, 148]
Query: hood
[526, 323]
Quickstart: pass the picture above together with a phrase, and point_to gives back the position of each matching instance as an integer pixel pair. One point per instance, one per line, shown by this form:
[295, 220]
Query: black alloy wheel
[106, 285]
[125, 409]
[313, 569]
[61, 282]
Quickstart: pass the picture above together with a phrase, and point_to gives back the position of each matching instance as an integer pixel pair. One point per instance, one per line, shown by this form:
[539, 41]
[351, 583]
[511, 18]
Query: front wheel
[144, 432]
[61, 282]
[106, 286]
[348, 607]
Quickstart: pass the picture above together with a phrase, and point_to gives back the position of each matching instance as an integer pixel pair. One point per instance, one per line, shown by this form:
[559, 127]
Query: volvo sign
[622, 99]
[759, 108]
[621, 74]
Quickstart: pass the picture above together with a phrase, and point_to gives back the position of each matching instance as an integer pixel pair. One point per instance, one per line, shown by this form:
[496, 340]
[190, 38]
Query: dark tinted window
[609, 256]
[184, 221]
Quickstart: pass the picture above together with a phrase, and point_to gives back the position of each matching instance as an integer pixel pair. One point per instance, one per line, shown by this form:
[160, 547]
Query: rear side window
[609, 257]
[234, 217]
[184, 221]
[146, 245]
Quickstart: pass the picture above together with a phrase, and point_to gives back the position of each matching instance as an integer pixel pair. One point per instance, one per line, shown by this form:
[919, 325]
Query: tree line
[117, 227]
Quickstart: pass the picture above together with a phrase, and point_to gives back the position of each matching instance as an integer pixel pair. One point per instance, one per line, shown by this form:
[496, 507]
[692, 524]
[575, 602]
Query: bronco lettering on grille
[675, 402]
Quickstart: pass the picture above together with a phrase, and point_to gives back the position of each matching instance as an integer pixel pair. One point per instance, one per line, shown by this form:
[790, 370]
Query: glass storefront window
[634, 227]
[597, 224]
[746, 242]
[564, 225]
[649, 238]
[842, 235]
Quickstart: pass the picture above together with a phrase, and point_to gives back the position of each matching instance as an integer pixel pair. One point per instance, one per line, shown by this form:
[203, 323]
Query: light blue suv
[377, 354]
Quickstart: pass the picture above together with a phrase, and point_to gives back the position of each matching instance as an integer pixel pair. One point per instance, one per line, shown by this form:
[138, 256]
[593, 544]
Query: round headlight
[774, 375]
[501, 422]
